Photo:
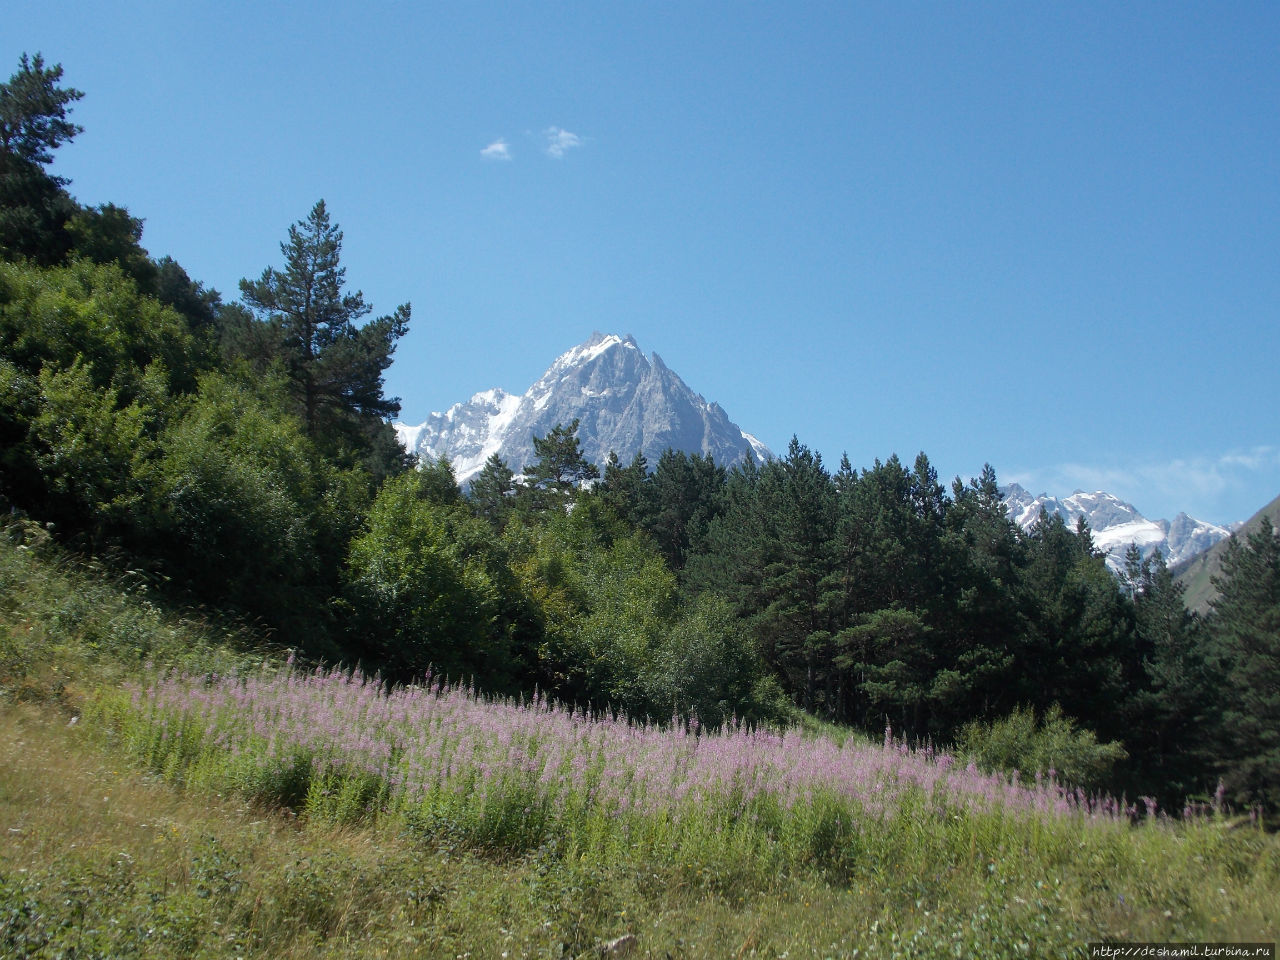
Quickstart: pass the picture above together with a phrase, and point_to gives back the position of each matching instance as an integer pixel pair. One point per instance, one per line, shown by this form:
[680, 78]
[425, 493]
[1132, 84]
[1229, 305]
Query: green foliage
[686, 498]
[1050, 746]
[108, 234]
[33, 111]
[569, 568]
[629, 603]
[1176, 700]
[92, 448]
[235, 498]
[705, 668]
[34, 207]
[615, 632]
[492, 490]
[674, 505]
[1078, 647]
[627, 490]
[89, 364]
[49, 317]
[34, 211]
[438, 484]
[560, 472]
[431, 588]
[334, 366]
[1245, 626]
[890, 650]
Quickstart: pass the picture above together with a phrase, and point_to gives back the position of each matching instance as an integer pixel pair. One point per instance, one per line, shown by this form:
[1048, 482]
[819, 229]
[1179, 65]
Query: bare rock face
[624, 401]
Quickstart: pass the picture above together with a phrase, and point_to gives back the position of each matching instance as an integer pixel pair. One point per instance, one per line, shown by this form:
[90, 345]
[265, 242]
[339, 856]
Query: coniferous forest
[239, 456]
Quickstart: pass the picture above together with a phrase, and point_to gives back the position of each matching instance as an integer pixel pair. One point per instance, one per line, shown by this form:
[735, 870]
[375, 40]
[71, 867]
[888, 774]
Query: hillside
[253, 810]
[1196, 574]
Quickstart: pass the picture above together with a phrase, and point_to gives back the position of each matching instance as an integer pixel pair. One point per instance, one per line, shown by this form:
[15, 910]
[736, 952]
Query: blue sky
[1045, 236]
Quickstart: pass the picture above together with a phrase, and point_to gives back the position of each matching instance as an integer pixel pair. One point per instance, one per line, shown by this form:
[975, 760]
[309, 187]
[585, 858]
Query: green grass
[101, 857]
[68, 628]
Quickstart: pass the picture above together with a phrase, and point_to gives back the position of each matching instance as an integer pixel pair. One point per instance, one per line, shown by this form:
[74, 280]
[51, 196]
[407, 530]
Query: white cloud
[498, 150]
[560, 141]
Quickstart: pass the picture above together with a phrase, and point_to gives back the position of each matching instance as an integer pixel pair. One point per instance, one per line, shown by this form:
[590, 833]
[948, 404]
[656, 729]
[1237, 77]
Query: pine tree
[685, 499]
[334, 367]
[34, 205]
[491, 491]
[799, 500]
[1246, 633]
[33, 112]
[627, 490]
[561, 470]
[1175, 701]
[985, 549]
[1078, 648]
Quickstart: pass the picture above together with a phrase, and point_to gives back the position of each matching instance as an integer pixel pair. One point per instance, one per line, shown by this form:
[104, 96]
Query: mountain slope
[1116, 524]
[1196, 573]
[625, 402]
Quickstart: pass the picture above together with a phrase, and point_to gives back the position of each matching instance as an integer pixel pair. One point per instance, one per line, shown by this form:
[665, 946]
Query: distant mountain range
[624, 401]
[1116, 525]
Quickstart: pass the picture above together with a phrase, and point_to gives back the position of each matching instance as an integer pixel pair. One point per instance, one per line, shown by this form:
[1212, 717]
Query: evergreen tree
[334, 366]
[561, 470]
[1175, 699]
[899, 570]
[34, 206]
[798, 500]
[628, 490]
[984, 621]
[492, 490]
[33, 112]
[1079, 649]
[685, 498]
[737, 544]
[1246, 633]
[34, 212]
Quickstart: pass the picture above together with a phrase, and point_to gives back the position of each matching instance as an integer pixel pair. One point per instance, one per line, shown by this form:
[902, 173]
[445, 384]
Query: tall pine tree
[34, 206]
[334, 366]
[1246, 632]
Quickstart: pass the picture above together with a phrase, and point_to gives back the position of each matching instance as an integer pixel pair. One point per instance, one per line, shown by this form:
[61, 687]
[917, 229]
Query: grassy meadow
[171, 787]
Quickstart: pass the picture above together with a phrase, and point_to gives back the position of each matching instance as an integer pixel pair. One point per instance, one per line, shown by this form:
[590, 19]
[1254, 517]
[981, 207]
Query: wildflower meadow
[512, 776]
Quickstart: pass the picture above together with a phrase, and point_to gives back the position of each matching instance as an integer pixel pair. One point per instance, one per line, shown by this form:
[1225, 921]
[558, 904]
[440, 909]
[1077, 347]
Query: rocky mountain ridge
[1116, 524]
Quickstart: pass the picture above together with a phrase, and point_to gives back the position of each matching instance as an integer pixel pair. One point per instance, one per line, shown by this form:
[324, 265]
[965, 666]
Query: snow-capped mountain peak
[1116, 524]
[624, 401]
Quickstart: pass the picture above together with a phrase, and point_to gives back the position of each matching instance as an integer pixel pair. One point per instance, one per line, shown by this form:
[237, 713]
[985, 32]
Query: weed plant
[735, 813]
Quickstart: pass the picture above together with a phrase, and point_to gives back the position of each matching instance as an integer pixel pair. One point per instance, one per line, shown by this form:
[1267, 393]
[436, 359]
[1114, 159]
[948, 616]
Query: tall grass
[511, 777]
[738, 813]
[68, 625]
